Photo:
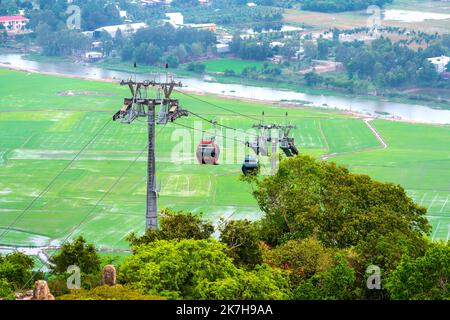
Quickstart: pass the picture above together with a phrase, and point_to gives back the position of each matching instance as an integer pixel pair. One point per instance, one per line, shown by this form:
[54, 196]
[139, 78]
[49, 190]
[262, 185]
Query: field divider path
[374, 131]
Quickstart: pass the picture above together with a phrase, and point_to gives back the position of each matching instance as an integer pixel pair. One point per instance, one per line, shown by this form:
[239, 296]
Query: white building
[93, 56]
[14, 24]
[176, 19]
[223, 48]
[155, 2]
[126, 29]
[440, 63]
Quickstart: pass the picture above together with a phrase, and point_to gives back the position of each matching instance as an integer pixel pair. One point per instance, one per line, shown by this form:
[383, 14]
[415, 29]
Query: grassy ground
[102, 194]
[418, 158]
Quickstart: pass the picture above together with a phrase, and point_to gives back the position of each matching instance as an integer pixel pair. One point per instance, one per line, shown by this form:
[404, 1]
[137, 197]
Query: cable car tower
[139, 105]
[261, 144]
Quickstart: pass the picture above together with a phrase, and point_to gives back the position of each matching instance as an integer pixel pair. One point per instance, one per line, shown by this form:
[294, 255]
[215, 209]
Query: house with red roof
[14, 24]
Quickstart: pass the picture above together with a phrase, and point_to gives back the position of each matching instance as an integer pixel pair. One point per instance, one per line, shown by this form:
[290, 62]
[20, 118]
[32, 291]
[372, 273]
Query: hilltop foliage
[117, 292]
[198, 269]
[175, 226]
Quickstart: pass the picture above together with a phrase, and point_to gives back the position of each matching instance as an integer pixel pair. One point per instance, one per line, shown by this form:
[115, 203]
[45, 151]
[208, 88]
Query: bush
[78, 253]
[196, 67]
[196, 269]
[15, 272]
[117, 292]
[241, 237]
[175, 226]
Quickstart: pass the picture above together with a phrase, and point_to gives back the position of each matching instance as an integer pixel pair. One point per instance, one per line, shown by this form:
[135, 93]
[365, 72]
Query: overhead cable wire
[217, 106]
[203, 131]
[96, 205]
[30, 205]
[220, 125]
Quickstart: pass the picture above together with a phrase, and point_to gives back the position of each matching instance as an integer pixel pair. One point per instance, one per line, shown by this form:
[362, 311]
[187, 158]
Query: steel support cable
[221, 125]
[217, 106]
[203, 131]
[8, 228]
[96, 205]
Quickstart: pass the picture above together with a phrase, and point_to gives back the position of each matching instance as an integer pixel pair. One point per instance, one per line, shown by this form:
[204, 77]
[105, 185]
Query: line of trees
[158, 44]
[341, 5]
[379, 67]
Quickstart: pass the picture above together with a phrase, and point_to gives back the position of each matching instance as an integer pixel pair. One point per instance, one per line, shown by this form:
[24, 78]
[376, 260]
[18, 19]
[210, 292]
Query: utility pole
[139, 105]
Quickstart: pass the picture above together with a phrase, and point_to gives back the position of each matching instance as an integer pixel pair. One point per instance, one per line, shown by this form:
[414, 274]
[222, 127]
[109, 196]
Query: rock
[109, 275]
[41, 291]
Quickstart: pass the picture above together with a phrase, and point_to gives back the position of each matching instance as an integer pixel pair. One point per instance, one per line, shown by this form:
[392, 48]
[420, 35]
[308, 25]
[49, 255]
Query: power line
[217, 106]
[220, 125]
[5, 232]
[203, 131]
[95, 206]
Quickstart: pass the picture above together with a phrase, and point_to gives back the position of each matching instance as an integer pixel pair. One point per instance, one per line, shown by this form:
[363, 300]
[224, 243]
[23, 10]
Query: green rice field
[46, 122]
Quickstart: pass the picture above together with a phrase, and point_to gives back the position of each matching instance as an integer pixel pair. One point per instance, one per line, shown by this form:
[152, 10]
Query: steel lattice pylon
[139, 105]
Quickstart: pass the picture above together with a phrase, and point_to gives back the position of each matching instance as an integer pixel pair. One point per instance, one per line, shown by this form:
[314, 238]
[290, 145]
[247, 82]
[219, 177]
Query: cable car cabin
[250, 165]
[288, 147]
[208, 152]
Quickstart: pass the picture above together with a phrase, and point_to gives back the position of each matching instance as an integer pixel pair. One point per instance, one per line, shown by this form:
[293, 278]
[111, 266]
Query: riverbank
[378, 108]
[285, 104]
[217, 77]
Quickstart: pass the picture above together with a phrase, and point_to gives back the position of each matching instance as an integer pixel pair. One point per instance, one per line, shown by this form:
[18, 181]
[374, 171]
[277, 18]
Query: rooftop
[12, 18]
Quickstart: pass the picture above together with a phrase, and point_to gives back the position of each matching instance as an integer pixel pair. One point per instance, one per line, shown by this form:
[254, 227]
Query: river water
[408, 112]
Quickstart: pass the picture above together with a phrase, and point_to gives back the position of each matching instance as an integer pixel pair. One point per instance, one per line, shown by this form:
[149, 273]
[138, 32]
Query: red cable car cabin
[208, 152]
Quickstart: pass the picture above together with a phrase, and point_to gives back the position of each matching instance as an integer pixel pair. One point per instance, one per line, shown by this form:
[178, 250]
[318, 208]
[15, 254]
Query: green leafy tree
[313, 79]
[117, 292]
[119, 39]
[6, 290]
[311, 51]
[188, 269]
[127, 52]
[197, 49]
[229, 73]
[181, 53]
[424, 278]
[263, 283]
[335, 284]
[173, 61]
[78, 253]
[304, 258]
[307, 196]
[322, 49]
[241, 237]
[196, 67]
[108, 42]
[15, 272]
[147, 54]
[175, 226]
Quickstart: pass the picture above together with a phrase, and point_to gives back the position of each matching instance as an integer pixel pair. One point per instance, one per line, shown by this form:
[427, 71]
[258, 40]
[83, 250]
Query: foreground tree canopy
[175, 226]
[198, 269]
[424, 278]
[321, 229]
[307, 198]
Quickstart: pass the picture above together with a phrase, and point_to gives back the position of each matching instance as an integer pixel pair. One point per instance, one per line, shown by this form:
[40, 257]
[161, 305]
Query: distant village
[17, 25]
